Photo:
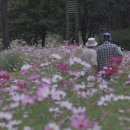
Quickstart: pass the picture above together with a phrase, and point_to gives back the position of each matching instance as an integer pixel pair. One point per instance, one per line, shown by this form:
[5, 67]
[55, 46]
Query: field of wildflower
[50, 91]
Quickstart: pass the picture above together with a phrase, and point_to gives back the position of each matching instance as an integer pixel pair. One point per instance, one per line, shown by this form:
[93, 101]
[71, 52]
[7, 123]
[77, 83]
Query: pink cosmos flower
[28, 100]
[77, 74]
[127, 82]
[52, 126]
[24, 72]
[42, 93]
[4, 76]
[110, 90]
[80, 123]
[44, 85]
[79, 110]
[34, 77]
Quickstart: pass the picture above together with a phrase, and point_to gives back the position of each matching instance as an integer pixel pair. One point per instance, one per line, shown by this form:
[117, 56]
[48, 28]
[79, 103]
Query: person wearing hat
[105, 51]
[89, 54]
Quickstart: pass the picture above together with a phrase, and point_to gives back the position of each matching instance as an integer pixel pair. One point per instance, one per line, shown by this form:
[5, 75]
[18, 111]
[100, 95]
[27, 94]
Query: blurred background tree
[4, 22]
[33, 19]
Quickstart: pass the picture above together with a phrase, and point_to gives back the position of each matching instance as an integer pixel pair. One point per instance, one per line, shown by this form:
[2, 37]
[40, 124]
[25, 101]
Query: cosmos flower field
[51, 92]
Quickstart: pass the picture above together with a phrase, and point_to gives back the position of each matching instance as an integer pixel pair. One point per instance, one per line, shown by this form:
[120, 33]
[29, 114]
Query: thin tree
[5, 28]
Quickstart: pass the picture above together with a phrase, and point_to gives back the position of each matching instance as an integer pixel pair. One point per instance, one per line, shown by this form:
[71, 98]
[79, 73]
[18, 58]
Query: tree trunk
[84, 23]
[43, 37]
[4, 12]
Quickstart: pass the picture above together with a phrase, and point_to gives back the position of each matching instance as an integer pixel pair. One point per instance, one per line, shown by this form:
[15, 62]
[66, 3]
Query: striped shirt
[104, 52]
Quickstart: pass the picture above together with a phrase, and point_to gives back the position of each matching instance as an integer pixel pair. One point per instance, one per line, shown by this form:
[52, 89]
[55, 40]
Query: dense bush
[10, 61]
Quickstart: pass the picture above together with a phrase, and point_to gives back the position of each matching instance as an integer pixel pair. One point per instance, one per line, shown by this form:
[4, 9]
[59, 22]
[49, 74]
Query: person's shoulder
[92, 50]
[114, 45]
[99, 47]
[84, 49]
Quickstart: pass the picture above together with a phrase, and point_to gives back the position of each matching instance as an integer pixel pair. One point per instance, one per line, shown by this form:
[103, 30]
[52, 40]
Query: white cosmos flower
[53, 126]
[56, 56]
[91, 78]
[67, 129]
[58, 95]
[100, 103]
[71, 61]
[79, 110]
[103, 99]
[27, 128]
[46, 80]
[86, 65]
[115, 99]
[5, 115]
[2, 125]
[77, 60]
[54, 109]
[121, 97]
[66, 104]
[26, 67]
[103, 86]
[96, 127]
[82, 94]
[56, 78]
[79, 86]
[45, 64]
[14, 123]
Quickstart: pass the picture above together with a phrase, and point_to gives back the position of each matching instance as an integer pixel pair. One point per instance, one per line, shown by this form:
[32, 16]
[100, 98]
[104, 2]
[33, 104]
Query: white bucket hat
[91, 42]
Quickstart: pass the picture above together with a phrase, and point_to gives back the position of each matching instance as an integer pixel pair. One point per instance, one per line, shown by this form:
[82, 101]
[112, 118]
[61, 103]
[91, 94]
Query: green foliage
[34, 17]
[53, 40]
[10, 62]
[122, 38]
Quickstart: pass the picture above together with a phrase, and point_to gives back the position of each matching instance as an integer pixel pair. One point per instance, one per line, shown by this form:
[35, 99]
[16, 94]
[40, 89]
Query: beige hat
[91, 42]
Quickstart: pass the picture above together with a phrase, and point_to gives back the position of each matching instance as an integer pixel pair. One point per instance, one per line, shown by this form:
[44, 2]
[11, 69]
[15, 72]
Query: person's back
[106, 51]
[89, 54]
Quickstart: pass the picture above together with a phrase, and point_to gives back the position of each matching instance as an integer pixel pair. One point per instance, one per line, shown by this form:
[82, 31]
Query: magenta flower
[116, 59]
[21, 83]
[80, 123]
[4, 76]
[63, 67]
[110, 70]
